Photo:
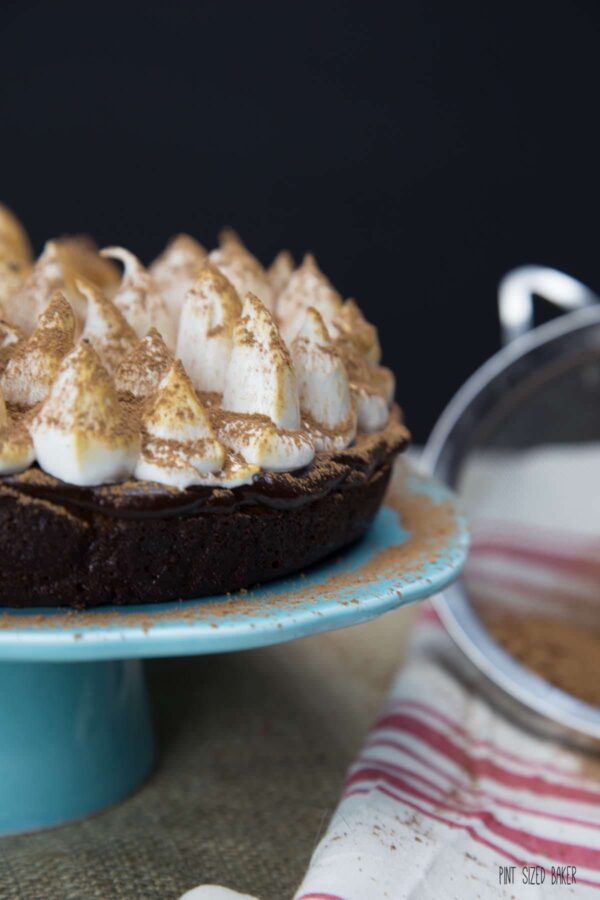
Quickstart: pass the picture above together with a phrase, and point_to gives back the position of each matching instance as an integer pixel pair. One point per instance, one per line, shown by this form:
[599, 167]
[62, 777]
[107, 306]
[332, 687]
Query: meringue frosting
[180, 445]
[16, 447]
[307, 286]
[14, 241]
[175, 271]
[204, 369]
[138, 297]
[260, 377]
[82, 434]
[323, 385]
[205, 338]
[242, 269]
[141, 371]
[34, 364]
[107, 329]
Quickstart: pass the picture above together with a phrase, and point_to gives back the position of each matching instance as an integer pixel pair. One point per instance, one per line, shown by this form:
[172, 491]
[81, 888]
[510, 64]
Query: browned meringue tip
[58, 315]
[88, 288]
[13, 274]
[351, 323]
[260, 377]
[280, 271]
[187, 242]
[177, 407]
[92, 404]
[182, 255]
[264, 317]
[309, 261]
[142, 368]
[105, 326]
[229, 237]
[13, 236]
[313, 327]
[155, 336]
[93, 293]
[80, 254]
[309, 264]
[212, 275]
[34, 364]
[258, 324]
[284, 256]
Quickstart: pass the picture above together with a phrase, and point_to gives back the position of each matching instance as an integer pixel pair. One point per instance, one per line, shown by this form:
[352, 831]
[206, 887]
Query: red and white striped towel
[447, 796]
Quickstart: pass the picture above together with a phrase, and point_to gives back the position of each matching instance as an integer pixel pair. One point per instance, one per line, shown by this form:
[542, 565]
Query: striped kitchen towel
[449, 799]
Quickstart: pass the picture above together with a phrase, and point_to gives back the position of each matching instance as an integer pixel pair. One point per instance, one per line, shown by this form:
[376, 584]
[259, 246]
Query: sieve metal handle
[518, 287]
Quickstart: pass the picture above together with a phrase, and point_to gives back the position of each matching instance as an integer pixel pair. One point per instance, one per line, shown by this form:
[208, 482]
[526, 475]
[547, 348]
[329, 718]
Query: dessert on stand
[195, 429]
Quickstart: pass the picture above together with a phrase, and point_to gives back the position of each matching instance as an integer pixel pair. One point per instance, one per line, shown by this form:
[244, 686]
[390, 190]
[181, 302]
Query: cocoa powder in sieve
[564, 653]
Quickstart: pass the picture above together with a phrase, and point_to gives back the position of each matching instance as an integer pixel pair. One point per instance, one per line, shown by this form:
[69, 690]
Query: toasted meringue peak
[25, 305]
[307, 286]
[105, 327]
[81, 434]
[13, 273]
[35, 362]
[280, 272]
[14, 241]
[384, 380]
[181, 444]
[242, 268]
[139, 298]
[16, 446]
[81, 257]
[373, 411]
[260, 377]
[58, 316]
[371, 385]
[205, 340]
[176, 412]
[351, 323]
[10, 336]
[260, 442]
[325, 397]
[175, 271]
[141, 371]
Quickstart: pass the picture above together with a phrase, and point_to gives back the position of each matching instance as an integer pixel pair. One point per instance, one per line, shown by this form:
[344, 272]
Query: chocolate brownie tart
[184, 430]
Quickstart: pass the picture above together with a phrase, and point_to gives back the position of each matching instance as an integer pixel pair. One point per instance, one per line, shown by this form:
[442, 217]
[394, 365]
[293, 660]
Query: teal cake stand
[75, 726]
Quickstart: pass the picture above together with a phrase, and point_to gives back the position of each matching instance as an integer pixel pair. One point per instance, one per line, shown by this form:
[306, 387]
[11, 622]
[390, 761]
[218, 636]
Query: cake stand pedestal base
[74, 739]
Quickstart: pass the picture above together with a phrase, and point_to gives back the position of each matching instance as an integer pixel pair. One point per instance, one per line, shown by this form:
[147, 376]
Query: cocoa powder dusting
[566, 654]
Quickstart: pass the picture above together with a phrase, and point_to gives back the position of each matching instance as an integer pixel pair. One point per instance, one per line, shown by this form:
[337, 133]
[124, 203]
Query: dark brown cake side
[86, 559]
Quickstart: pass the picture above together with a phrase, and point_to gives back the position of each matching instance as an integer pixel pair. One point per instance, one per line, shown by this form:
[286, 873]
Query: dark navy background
[418, 148]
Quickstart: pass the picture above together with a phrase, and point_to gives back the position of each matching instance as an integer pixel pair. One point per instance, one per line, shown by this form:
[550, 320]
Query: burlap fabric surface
[253, 750]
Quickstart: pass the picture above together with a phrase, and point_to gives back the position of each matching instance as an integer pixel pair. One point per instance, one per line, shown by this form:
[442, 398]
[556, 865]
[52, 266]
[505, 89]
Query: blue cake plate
[74, 716]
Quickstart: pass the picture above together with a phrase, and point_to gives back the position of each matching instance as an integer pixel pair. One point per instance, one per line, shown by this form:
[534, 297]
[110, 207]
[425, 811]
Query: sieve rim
[442, 457]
